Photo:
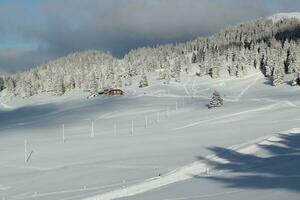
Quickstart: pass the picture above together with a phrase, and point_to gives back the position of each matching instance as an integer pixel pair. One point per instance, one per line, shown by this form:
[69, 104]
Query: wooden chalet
[112, 92]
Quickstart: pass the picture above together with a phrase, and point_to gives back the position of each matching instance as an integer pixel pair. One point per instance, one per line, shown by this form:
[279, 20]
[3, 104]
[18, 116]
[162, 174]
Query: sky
[33, 32]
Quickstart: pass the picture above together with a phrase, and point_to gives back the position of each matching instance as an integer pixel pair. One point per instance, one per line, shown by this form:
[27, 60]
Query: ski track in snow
[184, 86]
[29, 195]
[283, 103]
[186, 172]
[204, 196]
[247, 88]
[4, 187]
[4, 105]
[238, 97]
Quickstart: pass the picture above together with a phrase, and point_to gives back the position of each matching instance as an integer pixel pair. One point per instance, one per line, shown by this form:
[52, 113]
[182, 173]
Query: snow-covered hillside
[270, 47]
[157, 142]
[279, 16]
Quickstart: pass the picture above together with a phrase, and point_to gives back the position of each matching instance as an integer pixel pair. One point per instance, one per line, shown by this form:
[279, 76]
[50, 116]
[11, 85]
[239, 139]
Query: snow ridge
[279, 16]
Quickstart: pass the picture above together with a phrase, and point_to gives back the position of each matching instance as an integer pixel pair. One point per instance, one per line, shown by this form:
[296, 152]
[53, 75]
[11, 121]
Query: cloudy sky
[34, 31]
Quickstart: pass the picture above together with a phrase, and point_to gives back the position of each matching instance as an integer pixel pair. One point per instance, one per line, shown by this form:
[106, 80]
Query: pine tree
[1, 84]
[268, 71]
[10, 85]
[167, 77]
[296, 80]
[278, 77]
[128, 80]
[194, 58]
[161, 74]
[239, 71]
[60, 88]
[72, 83]
[119, 82]
[167, 73]
[294, 66]
[93, 86]
[214, 71]
[177, 70]
[143, 81]
[216, 100]
[28, 89]
[232, 70]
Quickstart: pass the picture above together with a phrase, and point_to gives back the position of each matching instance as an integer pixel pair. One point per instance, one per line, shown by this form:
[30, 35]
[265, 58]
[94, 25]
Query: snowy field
[159, 142]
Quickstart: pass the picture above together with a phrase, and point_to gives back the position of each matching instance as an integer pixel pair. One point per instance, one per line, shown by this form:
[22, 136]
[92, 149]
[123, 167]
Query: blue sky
[35, 31]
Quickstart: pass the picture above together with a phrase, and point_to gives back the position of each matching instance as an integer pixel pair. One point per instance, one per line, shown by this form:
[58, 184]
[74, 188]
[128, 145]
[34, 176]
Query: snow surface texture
[279, 16]
[198, 168]
[157, 142]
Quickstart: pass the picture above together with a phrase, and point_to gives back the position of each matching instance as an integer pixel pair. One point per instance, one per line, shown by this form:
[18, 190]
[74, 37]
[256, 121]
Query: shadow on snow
[281, 169]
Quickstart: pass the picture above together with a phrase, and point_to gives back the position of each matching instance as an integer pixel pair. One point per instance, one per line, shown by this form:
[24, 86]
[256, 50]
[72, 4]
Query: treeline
[272, 48]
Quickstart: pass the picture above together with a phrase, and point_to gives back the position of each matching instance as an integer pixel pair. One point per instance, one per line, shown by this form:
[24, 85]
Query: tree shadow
[268, 81]
[279, 167]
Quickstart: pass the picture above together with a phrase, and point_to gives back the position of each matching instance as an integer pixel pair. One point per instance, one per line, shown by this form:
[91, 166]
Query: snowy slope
[277, 17]
[190, 146]
[205, 168]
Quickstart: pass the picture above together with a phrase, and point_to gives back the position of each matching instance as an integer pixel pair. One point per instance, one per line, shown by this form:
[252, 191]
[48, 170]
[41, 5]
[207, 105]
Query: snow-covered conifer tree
[269, 66]
[167, 76]
[194, 58]
[60, 88]
[128, 80]
[278, 76]
[119, 81]
[72, 84]
[232, 70]
[143, 81]
[93, 86]
[216, 100]
[177, 70]
[28, 89]
[239, 70]
[1, 83]
[10, 85]
[167, 72]
[214, 70]
[296, 80]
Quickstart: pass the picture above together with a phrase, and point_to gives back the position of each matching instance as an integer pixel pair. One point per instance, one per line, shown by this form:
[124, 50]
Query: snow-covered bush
[216, 100]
